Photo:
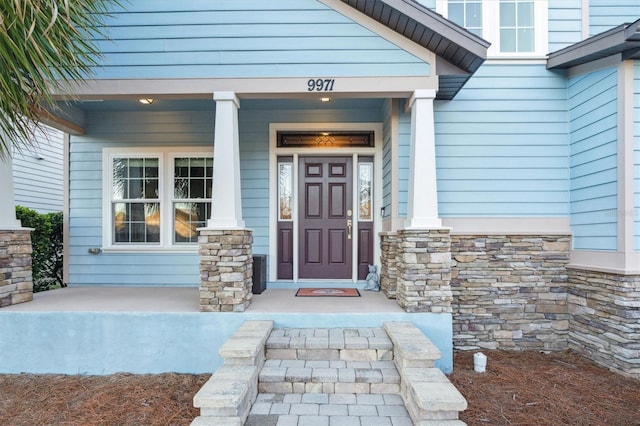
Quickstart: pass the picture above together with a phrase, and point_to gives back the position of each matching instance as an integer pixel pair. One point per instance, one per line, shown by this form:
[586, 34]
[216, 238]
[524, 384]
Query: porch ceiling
[450, 42]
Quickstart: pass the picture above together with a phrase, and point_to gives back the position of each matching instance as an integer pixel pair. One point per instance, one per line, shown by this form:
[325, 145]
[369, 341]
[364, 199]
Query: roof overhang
[462, 51]
[623, 40]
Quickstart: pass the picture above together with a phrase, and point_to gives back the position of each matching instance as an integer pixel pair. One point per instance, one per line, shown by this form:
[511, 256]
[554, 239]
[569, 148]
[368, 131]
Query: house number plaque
[320, 84]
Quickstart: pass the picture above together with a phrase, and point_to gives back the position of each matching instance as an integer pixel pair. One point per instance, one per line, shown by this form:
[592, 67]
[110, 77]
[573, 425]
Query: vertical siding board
[501, 147]
[593, 125]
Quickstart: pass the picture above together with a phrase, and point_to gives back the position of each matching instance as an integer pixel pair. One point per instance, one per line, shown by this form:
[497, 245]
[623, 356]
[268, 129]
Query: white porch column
[226, 212]
[422, 208]
[7, 198]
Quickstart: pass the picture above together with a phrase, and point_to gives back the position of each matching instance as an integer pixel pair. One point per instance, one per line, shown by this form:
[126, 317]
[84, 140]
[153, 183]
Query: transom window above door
[325, 139]
[155, 199]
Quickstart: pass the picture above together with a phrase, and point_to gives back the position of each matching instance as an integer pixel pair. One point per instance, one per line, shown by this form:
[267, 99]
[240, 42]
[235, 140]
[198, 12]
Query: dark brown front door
[325, 212]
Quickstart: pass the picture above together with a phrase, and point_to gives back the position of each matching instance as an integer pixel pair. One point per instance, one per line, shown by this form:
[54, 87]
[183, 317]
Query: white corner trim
[626, 164]
[508, 225]
[606, 261]
[585, 19]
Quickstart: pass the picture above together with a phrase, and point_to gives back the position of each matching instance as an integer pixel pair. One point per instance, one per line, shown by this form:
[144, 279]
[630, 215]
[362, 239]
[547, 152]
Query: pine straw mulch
[519, 388]
[532, 388]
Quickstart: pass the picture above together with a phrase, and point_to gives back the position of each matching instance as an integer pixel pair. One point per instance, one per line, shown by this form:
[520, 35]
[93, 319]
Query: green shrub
[46, 240]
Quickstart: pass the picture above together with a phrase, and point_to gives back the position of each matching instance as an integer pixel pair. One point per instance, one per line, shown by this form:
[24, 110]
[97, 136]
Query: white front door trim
[274, 152]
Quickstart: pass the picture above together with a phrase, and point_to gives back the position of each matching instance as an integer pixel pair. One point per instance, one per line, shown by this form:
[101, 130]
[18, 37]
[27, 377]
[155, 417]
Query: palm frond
[44, 46]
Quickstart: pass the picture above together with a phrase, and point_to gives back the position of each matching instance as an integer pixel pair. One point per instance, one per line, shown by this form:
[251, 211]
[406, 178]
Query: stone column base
[424, 270]
[226, 270]
[16, 282]
[388, 263]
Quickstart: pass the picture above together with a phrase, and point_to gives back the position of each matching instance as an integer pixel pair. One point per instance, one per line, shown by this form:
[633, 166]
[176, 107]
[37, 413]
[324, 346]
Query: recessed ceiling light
[146, 101]
[325, 99]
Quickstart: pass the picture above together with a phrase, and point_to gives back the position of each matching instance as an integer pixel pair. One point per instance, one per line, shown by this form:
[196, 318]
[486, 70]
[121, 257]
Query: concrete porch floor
[185, 299]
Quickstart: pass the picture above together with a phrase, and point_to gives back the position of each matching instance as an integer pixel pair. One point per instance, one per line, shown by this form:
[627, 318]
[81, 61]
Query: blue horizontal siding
[172, 129]
[125, 129]
[594, 162]
[565, 23]
[246, 39]
[605, 14]
[502, 146]
[37, 172]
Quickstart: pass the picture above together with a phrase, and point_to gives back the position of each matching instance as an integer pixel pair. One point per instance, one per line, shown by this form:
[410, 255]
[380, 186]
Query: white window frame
[166, 156]
[491, 28]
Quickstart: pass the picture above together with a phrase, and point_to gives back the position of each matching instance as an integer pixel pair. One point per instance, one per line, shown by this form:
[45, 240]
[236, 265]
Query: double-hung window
[515, 28]
[155, 199]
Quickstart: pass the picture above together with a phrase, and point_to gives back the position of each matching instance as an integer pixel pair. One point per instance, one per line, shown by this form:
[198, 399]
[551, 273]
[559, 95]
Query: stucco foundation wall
[605, 319]
[152, 343]
[510, 291]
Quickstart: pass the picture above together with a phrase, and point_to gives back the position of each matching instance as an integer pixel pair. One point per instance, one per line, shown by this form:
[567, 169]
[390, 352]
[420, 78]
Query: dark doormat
[327, 292]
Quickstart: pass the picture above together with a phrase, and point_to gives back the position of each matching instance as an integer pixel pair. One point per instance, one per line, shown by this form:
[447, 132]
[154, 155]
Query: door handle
[349, 226]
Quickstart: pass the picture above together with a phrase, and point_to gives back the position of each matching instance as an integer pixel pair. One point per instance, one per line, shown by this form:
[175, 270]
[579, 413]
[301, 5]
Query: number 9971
[320, 84]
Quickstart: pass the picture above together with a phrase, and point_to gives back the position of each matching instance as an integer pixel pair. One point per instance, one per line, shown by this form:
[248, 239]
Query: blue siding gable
[250, 38]
[594, 168]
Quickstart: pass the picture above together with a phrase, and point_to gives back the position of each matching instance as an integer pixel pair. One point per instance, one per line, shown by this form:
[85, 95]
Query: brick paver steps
[334, 360]
[336, 376]
[329, 377]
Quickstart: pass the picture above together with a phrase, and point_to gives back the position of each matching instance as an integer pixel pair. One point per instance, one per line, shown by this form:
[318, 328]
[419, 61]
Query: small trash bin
[259, 273]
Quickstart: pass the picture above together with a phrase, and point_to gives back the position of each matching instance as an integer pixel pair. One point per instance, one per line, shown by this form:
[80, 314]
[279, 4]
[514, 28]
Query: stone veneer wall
[510, 291]
[605, 319]
[388, 263]
[424, 270]
[16, 283]
[226, 270]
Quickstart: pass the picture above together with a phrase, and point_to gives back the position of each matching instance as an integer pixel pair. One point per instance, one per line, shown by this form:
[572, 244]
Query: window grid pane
[188, 218]
[517, 32]
[135, 178]
[285, 191]
[192, 188]
[136, 222]
[467, 14]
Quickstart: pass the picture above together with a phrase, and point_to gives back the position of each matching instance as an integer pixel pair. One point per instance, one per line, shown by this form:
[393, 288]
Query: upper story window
[155, 199]
[517, 32]
[466, 13]
[515, 28]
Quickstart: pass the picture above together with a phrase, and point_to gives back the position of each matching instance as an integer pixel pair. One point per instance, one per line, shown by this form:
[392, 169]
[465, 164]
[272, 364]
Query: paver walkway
[338, 409]
[345, 378]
